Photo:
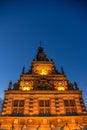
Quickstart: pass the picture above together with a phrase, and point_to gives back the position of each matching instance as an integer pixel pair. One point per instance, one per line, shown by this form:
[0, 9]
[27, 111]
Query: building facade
[43, 99]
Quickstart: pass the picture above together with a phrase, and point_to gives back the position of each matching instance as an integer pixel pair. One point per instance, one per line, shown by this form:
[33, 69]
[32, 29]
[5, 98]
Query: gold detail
[60, 88]
[59, 120]
[43, 69]
[15, 121]
[45, 121]
[30, 120]
[73, 121]
[26, 85]
[59, 85]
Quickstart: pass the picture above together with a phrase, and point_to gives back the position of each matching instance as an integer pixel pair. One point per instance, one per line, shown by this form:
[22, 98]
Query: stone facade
[43, 99]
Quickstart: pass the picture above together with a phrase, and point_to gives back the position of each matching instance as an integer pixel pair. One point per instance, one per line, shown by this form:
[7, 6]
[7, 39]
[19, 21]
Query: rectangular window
[41, 111]
[47, 111]
[15, 111]
[41, 103]
[72, 103]
[21, 103]
[44, 103]
[47, 103]
[73, 110]
[66, 103]
[15, 103]
[18, 106]
[70, 107]
[67, 110]
[69, 102]
[20, 111]
[44, 107]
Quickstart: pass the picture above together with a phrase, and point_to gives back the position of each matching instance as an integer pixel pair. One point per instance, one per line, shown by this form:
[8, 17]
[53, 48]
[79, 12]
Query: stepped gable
[43, 99]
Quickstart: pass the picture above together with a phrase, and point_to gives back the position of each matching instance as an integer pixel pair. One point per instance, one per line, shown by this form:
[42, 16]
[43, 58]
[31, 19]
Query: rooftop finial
[41, 56]
[40, 43]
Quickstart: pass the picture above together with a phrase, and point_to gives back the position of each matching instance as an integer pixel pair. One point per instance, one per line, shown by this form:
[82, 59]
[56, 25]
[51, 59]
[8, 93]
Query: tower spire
[41, 56]
[40, 43]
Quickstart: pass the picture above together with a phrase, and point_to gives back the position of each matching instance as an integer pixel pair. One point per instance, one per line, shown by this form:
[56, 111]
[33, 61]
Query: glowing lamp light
[60, 88]
[43, 72]
[26, 88]
[43, 69]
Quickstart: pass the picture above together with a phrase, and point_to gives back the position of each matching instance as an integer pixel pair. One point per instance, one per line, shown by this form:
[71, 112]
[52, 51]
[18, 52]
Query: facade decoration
[43, 99]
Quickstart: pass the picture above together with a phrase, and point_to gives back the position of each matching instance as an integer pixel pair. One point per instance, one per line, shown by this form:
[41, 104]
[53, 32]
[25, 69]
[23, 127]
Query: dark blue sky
[60, 24]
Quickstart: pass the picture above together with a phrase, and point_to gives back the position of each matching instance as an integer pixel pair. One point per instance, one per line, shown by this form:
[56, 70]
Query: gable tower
[44, 99]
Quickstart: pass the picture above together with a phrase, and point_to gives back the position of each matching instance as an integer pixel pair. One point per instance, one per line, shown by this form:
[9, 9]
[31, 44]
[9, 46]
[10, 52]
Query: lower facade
[43, 123]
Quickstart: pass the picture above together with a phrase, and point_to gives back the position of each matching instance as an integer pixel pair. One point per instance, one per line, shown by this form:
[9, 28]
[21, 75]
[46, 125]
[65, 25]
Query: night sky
[61, 25]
